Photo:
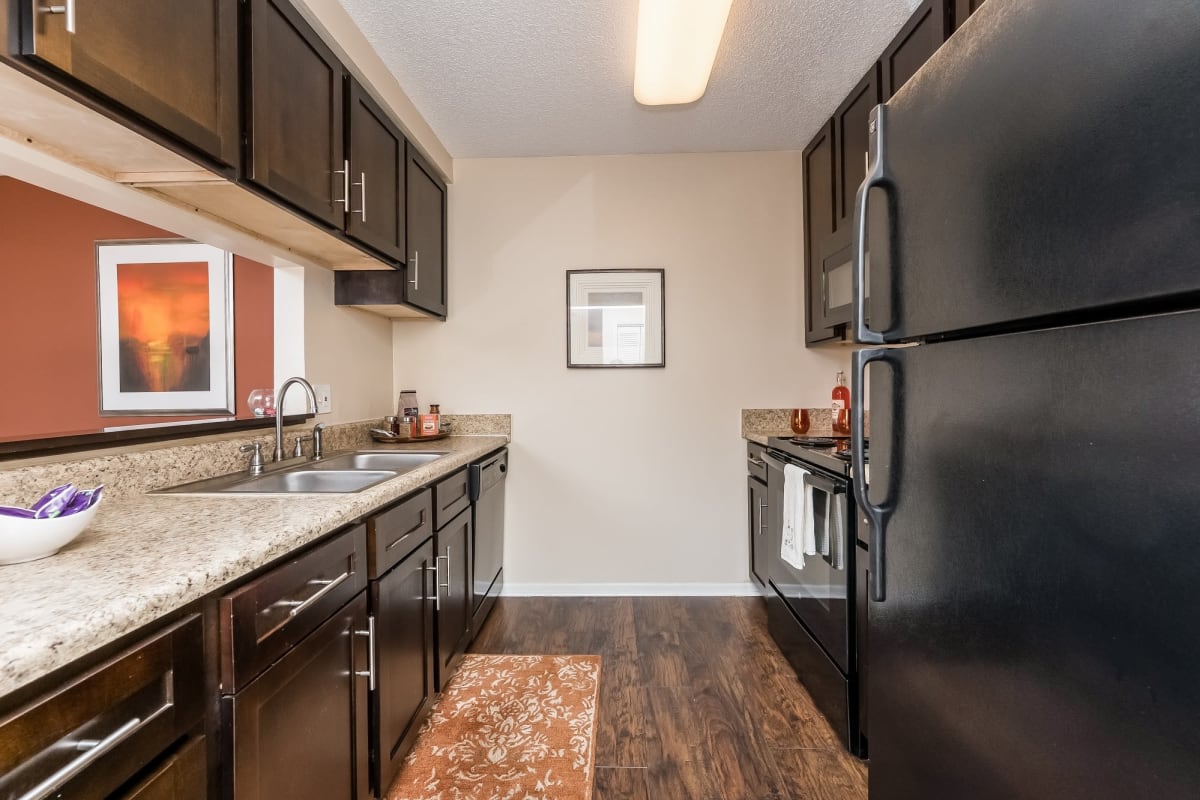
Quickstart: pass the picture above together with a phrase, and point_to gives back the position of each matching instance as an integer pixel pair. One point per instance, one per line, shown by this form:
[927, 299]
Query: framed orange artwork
[166, 328]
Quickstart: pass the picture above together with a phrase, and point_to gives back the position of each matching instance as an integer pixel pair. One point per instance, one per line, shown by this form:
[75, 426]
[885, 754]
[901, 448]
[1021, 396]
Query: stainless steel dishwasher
[487, 508]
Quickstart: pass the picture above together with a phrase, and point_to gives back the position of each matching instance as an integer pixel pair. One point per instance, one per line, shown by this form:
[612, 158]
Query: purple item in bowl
[52, 503]
[14, 511]
[83, 500]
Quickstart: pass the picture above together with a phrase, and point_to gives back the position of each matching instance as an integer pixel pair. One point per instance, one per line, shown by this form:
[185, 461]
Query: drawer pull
[326, 588]
[93, 750]
[420, 524]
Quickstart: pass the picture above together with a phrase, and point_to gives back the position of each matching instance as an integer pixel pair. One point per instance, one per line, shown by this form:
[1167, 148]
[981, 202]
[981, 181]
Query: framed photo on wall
[615, 318]
[166, 328]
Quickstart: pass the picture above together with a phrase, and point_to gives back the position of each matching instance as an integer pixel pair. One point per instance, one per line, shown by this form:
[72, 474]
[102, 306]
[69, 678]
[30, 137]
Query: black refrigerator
[1031, 222]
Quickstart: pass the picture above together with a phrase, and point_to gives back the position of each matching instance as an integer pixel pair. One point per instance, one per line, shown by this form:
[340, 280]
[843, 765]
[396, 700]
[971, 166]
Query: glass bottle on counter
[840, 419]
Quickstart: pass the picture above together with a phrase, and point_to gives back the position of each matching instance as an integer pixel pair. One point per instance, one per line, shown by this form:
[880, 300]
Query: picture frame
[165, 311]
[616, 318]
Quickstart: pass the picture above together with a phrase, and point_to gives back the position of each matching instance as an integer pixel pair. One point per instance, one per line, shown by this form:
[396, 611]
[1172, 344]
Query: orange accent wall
[49, 339]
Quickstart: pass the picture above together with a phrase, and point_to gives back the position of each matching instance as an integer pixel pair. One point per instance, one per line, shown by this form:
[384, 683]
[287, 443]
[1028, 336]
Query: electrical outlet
[324, 398]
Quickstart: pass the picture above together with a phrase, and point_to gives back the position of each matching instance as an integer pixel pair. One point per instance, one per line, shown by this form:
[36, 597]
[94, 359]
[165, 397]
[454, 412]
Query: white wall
[348, 349]
[623, 476]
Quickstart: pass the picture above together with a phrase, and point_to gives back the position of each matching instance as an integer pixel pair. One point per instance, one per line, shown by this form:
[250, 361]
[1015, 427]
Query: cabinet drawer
[755, 465]
[398, 531]
[267, 616]
[132, 707]
[183, 776]
[450, 497]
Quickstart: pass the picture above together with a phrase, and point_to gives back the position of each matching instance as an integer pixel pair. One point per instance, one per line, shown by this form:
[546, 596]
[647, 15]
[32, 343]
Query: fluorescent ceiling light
[676, 44]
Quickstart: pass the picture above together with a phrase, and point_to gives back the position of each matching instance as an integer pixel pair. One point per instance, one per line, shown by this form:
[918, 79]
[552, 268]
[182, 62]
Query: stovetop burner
[815, 441]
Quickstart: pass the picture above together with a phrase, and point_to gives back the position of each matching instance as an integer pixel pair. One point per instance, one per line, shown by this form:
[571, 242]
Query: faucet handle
[256, 460]
[298, 450]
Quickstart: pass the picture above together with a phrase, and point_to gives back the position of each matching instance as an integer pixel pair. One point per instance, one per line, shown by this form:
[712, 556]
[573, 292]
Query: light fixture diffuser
[677, 43]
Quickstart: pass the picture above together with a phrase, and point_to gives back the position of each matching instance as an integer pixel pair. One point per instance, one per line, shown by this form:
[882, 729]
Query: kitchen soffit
[498, 78]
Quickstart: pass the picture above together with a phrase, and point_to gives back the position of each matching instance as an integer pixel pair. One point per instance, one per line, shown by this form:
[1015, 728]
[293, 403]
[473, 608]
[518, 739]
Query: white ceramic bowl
[29, 539]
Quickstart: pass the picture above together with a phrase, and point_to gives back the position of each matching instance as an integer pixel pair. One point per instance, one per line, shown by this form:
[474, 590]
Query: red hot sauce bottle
[841, 406]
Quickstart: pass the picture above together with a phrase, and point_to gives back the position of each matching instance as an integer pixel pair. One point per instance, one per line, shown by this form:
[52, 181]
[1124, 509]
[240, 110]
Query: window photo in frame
[615, 318]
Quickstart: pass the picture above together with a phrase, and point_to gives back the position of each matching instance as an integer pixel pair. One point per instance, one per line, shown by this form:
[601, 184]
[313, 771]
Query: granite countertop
[147, 555]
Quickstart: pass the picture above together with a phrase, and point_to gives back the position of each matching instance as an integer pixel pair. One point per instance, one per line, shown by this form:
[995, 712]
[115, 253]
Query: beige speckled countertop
[146, 555]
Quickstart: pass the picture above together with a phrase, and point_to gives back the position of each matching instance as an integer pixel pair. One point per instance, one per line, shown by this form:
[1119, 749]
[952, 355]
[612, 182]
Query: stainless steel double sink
[337, 473]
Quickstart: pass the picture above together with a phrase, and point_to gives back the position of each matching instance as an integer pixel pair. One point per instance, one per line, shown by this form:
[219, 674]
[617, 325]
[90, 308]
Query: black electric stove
[831, 453]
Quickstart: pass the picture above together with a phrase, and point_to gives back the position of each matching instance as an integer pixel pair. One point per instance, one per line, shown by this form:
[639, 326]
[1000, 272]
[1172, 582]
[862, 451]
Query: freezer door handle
[877, 514]
[876, 178]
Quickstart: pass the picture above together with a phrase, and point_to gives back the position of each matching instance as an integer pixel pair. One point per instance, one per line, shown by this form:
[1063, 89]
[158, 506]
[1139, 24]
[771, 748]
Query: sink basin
[395, 462]
[339, 473]
[313, 480]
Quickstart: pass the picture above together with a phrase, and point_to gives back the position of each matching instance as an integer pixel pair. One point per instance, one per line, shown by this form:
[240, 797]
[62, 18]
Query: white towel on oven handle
[799, 532]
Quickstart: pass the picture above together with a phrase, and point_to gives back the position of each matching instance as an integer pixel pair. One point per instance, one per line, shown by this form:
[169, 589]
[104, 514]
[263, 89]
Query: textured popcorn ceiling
[555, 77]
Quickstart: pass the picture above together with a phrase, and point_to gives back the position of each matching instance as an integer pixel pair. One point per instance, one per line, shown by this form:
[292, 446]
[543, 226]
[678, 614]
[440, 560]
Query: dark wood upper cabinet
[964, 9]
[173, 65]
[425, 278]
[376, 179]
[294, 113]
[921, 36]
[850, 136]
[820, 218]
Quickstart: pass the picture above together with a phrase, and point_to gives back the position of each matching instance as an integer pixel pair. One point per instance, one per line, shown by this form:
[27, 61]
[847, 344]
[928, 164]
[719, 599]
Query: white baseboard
[746, 589]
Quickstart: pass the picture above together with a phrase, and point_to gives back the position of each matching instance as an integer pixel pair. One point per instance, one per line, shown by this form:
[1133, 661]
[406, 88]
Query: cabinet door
[300, 729]
[850, 135]
[174, 64]
[757, 508]
[294, 95]
[819, 220]
[919, 39]
[964, 9]
[402, 604]
[377, 159]
[425, 283]
[453, 595]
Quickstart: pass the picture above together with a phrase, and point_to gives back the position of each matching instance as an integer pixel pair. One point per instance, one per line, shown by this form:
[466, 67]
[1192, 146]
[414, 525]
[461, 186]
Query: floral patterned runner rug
[508, 728]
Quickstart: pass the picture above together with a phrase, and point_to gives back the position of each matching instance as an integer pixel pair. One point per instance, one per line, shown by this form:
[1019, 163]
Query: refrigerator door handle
[876, 178]
[877, 514]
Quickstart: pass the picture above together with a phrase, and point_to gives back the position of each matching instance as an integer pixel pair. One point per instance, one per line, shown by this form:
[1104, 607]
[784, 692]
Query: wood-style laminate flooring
[696, 701]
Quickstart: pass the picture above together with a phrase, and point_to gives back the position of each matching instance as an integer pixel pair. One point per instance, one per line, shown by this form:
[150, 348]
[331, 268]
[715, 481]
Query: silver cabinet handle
[93, 750]
[437, 596]
[369, 674]
[68, 9]
[449, 589]
[416, 265]
[345, 173]
[762, 524]
[758, 462]
[326, 588]
[361, 183]
[875, 178]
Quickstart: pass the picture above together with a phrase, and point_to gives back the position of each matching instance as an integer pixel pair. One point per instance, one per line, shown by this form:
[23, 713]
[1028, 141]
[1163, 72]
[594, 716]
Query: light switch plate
[324, 398]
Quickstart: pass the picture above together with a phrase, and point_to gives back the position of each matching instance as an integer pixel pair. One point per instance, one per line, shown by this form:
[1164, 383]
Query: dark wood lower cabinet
[453, 595]
[300, 729]
[183, 776]
[135, 706]
[756, 498]
[402, 606]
